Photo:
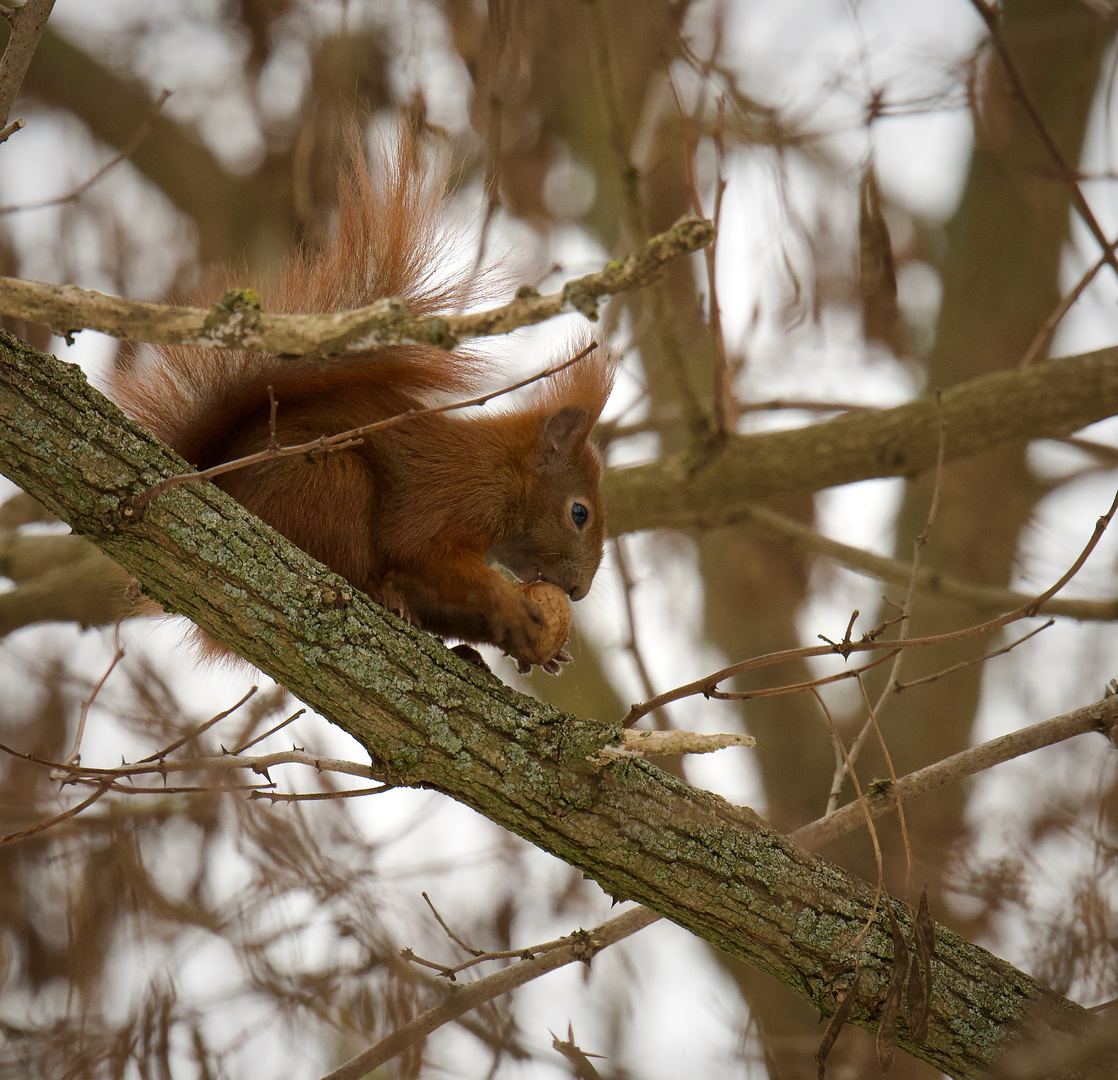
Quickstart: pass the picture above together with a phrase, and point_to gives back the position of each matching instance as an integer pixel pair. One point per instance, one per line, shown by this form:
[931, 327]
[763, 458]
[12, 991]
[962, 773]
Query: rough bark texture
[428, 719]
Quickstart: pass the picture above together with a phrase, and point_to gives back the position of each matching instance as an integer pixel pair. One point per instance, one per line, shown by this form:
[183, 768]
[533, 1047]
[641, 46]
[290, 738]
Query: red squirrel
[412, 514]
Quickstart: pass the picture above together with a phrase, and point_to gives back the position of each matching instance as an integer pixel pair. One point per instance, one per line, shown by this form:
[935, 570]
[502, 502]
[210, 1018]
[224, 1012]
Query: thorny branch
[708, 685]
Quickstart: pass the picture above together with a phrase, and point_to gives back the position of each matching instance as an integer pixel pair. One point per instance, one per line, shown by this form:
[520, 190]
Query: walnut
[556, 610]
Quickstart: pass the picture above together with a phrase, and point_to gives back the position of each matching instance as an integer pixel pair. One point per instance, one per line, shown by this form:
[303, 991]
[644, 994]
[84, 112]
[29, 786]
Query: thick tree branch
[1047, 400]
[429, 719]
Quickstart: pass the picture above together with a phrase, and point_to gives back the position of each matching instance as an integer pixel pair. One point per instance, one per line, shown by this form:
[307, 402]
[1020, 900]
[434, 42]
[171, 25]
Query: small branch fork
[237, 322]
[327, 443]
[582, 945]
[119, 778]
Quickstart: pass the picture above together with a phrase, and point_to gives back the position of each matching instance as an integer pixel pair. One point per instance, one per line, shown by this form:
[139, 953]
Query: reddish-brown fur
[410, 515]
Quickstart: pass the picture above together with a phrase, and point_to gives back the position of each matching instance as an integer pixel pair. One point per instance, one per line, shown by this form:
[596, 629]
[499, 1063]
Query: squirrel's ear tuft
[564, 431]
[584, 385]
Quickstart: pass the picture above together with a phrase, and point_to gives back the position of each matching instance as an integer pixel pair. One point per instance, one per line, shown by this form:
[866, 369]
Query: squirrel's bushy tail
[388, 243]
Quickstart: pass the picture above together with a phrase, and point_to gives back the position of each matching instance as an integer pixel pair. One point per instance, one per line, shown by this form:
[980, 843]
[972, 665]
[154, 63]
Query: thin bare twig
[314, 796]
[118, 655]
[974, 659]
[667, 418]
[918, 543]
[722, 390]
[608, 84]
[991, 17]
[627, 585]
[479, 956]
[892, 776]
[860, 799]
[159, 755]
[112, 779]
[1108, 455]
[273, 408]
[1044, 334]
[447, 930]
[174, 789]
[23, 834]
[129, 149]
[271, 731]
[928, 579]
[223, 763]
[794, 688]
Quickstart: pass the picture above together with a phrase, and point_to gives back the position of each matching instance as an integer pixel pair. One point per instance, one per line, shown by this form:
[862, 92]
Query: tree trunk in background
[1000, 284]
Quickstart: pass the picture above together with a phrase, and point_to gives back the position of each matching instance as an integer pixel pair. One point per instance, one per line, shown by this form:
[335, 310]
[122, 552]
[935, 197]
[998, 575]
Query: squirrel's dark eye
[579, 514]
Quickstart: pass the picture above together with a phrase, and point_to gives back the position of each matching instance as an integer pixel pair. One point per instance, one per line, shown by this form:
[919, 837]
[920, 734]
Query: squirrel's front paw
[539, 638]
[388, 596]
[517, 624]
